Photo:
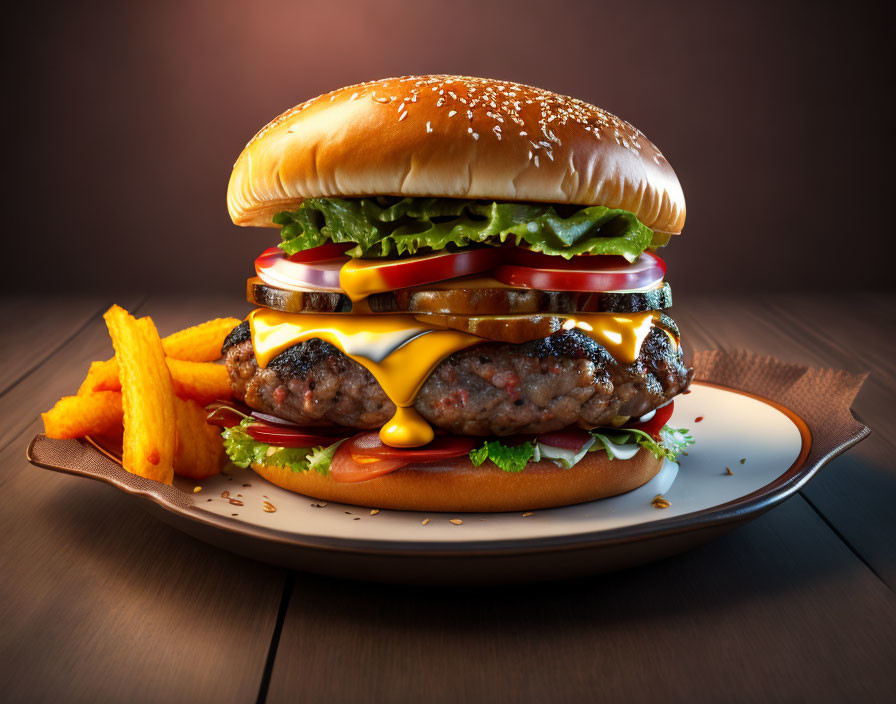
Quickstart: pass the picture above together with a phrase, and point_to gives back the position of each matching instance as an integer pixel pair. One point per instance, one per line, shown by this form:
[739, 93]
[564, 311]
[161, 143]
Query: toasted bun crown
[454, 137]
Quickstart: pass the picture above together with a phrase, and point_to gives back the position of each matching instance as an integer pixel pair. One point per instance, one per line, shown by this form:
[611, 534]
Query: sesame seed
[428, 127]
[527, 514]
[456, 521]
[197, 489]
[528, 107]
[424, 522]
[374, 511]
[452, 113]
[268, 507]
[659, 501]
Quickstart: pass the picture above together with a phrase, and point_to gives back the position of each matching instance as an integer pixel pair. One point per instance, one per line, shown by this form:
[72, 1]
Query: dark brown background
[129, 116]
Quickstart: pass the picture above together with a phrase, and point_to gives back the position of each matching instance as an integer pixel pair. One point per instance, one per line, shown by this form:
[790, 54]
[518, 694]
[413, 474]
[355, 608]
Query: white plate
[346, 540]
[733, 427]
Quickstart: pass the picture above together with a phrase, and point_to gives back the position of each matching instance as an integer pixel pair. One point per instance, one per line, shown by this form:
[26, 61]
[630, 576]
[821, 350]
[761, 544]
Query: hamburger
[466, 310]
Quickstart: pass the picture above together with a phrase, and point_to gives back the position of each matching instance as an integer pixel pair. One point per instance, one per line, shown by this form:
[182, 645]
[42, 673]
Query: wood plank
[34, 329]
[59, 374]
[854, 492]
[102, 602]
[779, 610]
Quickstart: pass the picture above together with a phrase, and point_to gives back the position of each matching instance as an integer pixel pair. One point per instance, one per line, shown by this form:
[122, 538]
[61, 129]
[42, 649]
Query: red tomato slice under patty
[653, 426]
[443, 447]
[288, 437]
[582, 273]
[567, 439]
[346, 469]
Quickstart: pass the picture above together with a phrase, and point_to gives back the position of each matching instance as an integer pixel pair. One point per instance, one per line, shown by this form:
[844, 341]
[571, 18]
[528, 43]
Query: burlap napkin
[821, 397]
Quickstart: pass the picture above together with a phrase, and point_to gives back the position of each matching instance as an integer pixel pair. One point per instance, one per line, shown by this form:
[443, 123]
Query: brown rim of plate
[736, 510]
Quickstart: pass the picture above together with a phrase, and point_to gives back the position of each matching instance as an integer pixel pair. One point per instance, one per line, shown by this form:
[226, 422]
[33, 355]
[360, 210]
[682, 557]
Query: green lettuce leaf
[514, 458]
[673, 441]
[320, 457]
[243, 450]
[390, 226]
[510, 458]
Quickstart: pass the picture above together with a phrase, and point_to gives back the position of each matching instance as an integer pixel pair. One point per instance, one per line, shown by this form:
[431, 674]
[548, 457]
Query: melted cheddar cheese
[401, 351]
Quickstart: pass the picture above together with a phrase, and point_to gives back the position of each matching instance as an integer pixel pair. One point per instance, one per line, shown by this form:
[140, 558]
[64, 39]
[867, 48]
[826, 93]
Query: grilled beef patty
[490, 389]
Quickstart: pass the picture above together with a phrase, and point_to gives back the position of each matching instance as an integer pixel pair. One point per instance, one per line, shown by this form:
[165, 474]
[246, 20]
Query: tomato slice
[223, 417]
[443, 447]
[289, 437]
[416, 271]
[566, 439]
[320, 268]
[330, 250]
[653, 426]
[582, 273]
[346, 469]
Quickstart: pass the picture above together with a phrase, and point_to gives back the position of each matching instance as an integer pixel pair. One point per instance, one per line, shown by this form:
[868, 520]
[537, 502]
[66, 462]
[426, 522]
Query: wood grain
[45, 332]
[99, 601]
[783, 609]
[759, 615]
[857, 332]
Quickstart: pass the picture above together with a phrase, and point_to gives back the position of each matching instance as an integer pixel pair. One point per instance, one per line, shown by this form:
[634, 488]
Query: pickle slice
[476, 300]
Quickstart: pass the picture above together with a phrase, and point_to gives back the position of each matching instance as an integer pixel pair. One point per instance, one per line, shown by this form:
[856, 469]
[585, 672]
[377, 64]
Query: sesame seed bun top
[453, 137]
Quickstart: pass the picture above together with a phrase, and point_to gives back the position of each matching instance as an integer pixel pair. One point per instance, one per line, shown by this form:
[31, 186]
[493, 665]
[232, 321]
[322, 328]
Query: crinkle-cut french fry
[102, 376]
[200, 448]
[96, 413]
[150, 423]
[200, 381]
[200, 343]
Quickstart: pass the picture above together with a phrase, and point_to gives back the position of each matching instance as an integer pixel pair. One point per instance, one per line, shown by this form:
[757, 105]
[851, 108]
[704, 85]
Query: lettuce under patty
[391, 226]
[244, 450]
[514, 458]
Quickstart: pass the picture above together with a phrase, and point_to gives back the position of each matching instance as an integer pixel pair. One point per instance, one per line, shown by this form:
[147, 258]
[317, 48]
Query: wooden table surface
[100, 602]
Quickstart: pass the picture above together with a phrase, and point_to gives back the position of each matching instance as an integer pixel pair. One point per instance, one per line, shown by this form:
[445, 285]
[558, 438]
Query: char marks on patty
[491, 389]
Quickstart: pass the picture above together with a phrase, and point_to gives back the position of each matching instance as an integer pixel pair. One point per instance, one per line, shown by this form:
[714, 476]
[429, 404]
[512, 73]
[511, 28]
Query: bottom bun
[459, 486]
